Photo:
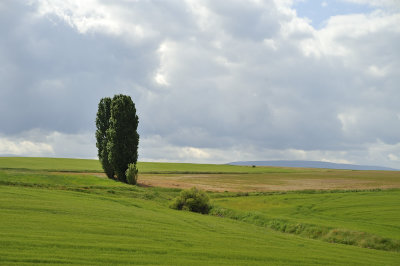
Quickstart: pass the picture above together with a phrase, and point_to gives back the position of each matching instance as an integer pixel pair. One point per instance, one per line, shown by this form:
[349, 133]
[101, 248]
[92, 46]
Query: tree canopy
[118, 144]
[102, 124]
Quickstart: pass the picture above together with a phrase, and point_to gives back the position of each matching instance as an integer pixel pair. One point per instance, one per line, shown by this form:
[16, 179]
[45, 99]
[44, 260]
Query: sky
[213, 81]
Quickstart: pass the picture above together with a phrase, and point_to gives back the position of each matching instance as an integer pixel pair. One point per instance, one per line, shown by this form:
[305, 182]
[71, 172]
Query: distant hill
[313, 164]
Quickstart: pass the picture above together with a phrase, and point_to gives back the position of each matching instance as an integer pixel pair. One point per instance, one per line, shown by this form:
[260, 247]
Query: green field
[52, 164]
[375, 213]
[86, 165]
[79, 218]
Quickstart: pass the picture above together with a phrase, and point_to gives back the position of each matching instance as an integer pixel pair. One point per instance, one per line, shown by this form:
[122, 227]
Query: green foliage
[122, 135]
[131, 174]
[194, 200]
[102, 124]
[116, 135]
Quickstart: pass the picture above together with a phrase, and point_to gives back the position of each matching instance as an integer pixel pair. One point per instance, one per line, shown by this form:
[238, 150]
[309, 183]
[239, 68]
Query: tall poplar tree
[122, 135]
[102, 124]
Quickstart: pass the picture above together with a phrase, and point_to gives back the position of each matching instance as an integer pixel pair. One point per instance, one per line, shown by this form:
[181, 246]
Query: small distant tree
[122, 135]
[102, 124]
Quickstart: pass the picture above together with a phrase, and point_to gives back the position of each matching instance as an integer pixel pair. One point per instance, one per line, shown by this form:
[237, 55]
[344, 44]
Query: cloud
[24, 148]
[212, 82]
[376, 3]
[38, 142]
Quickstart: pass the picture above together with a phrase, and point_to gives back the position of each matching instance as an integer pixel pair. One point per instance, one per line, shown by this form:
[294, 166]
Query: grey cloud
[247, 20]
[226, 80]
[59, 75]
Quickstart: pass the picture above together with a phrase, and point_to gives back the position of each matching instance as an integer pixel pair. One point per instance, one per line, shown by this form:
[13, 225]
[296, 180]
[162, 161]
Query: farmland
[364, 218]
[58, 211]
[220, 178]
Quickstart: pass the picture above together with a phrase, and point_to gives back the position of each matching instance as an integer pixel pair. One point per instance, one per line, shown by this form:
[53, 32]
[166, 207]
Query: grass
[43, 178]
[57, 226]
[356, 216]
[188, 168]
[215, 177]
[86, 165]
[80, 218]
[51, 164]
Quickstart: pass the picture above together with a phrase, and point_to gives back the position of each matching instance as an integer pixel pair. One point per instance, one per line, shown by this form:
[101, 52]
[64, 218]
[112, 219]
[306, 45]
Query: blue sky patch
[320, 11]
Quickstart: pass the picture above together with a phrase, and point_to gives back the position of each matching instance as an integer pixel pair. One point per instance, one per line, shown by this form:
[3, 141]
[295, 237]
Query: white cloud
[337, 160]
[376, 72]
[376, 3]
[81, 145]
[271, 44]
[166, 59]
[204, 16]
[348, 120]
[156, 149]
[380, 153]
[82, 15]
[38, 142]
[161, 79]
[343, 33]
[394, 157]
[95, 16]
[24, 147]
[193, 153]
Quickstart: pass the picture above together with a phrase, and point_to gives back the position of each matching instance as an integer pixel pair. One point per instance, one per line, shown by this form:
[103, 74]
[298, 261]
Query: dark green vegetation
[117, 136]
[102, 124]
[194, 200]
[82, 218]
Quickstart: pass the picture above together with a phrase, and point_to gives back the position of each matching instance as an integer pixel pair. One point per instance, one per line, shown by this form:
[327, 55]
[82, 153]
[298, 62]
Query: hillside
[60, 217]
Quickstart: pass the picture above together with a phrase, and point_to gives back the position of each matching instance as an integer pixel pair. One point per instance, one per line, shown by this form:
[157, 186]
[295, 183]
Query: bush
[193, 200]
[131, 174]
